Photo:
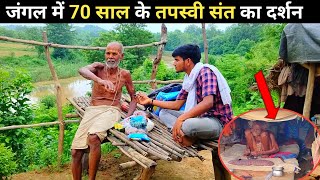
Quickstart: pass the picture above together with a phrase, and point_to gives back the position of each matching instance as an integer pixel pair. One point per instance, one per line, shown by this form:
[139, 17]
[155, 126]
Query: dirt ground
[188, 168]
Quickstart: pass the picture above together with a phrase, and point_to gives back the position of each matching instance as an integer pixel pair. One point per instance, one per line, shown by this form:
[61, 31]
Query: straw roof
[260, 114]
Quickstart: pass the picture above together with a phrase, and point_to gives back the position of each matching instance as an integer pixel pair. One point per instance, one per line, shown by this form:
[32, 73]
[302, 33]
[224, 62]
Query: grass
[17, 55]
[16, 49]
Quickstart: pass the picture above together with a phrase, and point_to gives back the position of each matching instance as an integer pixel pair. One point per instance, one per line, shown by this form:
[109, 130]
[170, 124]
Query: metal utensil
[277, 171]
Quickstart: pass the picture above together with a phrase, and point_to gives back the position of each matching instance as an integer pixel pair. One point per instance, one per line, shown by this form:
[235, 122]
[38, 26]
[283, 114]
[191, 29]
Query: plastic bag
[138, 137]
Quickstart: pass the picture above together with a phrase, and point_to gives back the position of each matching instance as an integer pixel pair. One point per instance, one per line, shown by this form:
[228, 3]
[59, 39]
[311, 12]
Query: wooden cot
[161, 146]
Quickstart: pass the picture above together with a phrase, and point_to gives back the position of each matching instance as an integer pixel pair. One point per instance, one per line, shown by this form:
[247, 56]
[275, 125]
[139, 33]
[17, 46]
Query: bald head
[116, 44]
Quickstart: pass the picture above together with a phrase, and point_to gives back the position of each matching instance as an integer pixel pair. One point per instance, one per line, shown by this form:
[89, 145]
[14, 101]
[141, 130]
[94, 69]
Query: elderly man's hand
[143, 99]
[108, 85]
[255, 153]
[247, 152]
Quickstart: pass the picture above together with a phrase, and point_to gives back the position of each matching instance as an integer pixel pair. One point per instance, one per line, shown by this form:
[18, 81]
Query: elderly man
[108, 80]
[259, 141]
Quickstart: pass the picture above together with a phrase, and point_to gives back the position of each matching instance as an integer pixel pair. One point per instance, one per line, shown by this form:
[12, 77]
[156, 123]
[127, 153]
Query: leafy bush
[144, 73]
[15, 85]
[48, 101]
[7, 163]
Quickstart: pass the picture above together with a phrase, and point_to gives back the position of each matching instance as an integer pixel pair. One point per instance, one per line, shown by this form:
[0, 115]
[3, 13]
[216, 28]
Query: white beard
[112, 65]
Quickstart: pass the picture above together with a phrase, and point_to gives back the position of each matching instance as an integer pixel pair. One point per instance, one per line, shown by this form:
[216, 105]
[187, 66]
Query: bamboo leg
[146, 173]
[220, 173]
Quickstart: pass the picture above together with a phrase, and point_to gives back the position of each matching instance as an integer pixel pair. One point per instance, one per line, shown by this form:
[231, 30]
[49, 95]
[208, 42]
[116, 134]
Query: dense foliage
[7, 163]
[60, 33]
[128, 35]
[14, 107]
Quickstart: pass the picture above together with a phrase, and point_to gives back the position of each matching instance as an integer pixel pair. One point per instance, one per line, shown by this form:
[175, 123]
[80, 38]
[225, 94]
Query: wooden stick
[158, 58]
[119, 144]
[152, 152]
[4, 38]
[153, 148]
[72, 115]
[76, 106]
[37, 125]
[85, 101]
[130, 164]
[166, 137]
[127, 165]
[158, 148]
[125, 151]
[163, 141]
[59, 98]
[205, 147]
[211, 144]
[124, 139]
[166, 148]
[195, 153]
[141, 158]
[81, 116]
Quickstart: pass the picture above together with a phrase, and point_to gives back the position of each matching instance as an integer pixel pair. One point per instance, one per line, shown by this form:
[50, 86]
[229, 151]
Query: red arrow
[265, 93]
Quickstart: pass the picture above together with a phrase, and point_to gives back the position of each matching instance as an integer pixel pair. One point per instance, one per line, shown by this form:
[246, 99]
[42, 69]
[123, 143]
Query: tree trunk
[205, 43]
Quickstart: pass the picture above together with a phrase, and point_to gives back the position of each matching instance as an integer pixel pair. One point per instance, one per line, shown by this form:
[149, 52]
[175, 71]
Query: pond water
[71, 87]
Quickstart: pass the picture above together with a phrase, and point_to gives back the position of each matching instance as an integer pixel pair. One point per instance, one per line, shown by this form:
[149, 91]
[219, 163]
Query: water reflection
[71, 87]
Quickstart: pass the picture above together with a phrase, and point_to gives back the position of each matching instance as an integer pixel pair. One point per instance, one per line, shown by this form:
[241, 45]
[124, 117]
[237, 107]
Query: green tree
[6, 32]
[244, 46]
[227, 42]
[134, 34]
[128, 35]
[61, 33]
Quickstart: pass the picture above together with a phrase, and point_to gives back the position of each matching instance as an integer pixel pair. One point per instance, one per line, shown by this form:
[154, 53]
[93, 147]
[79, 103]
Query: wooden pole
[205, 42]
[157, 60]
[36, 125]
[4, 38]
[309, 92]
[59, 98]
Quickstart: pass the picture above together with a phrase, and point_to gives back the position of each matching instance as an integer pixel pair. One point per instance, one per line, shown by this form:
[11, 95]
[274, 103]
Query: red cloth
[281, 154]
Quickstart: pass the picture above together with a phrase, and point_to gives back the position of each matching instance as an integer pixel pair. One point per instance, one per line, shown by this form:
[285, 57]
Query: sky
[153, 27]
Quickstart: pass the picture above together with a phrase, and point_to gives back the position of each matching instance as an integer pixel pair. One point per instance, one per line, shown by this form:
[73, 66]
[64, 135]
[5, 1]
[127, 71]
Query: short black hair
[191, 51]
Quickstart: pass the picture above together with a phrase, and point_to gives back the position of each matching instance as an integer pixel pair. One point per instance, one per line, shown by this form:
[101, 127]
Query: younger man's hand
[143, 99]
